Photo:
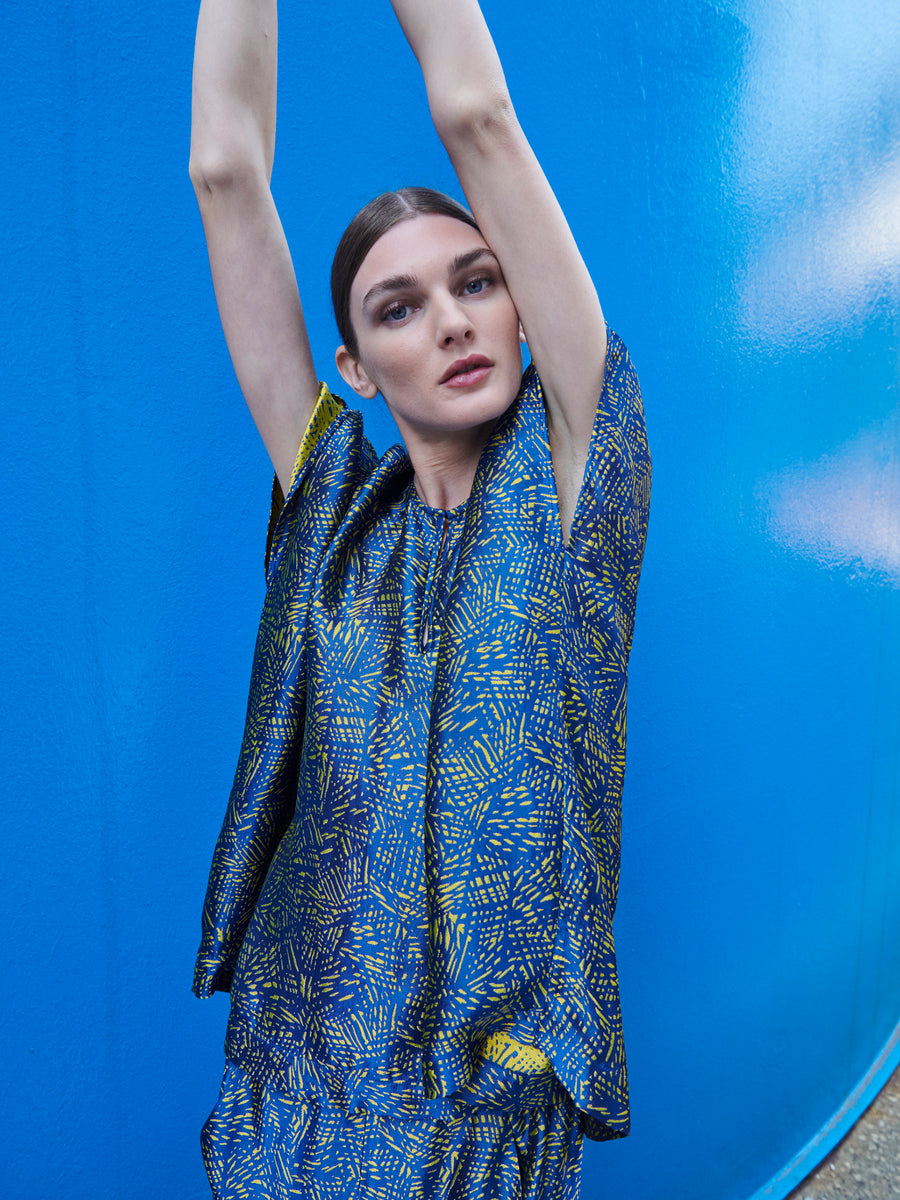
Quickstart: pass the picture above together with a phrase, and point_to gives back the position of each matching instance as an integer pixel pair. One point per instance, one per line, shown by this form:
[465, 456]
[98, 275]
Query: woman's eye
[396, 312]
[474, 286]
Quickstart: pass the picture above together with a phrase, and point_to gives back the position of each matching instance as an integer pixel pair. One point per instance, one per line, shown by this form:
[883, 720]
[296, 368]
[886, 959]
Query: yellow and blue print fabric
[420, 855]
[262, 1143]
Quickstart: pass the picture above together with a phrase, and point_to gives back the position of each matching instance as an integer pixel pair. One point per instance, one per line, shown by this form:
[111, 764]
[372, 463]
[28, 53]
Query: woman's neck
[445, 467]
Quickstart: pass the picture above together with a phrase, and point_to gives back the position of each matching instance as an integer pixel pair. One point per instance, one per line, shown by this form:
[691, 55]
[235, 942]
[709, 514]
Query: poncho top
[421, 848]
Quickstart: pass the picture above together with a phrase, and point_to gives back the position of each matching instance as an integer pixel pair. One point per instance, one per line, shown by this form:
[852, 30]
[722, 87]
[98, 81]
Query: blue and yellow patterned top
[419, 862]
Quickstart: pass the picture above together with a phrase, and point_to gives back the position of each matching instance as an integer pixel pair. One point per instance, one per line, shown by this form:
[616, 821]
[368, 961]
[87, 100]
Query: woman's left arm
[521, 220]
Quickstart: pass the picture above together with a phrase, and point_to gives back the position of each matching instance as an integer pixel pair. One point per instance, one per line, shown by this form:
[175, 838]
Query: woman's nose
[452, 321]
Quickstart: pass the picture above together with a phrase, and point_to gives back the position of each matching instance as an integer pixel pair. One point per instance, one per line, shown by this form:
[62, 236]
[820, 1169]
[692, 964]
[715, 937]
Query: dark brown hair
[369, 224]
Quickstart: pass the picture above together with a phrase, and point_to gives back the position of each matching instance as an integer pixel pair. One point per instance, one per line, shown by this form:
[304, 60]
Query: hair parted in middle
[371, 223]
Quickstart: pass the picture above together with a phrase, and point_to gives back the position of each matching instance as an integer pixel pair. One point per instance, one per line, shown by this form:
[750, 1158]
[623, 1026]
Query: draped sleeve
[333, 457]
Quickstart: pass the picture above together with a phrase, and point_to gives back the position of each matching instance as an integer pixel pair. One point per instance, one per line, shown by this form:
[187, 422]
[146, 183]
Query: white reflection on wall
[818, 169]
[814, 70]
[843, 510]
[821, 267]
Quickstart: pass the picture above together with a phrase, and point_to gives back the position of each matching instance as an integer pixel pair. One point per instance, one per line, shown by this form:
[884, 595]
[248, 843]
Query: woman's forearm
[460, 65]
[234, 89]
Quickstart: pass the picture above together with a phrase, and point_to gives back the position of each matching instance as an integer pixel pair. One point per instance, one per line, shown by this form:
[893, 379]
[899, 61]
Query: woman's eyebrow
[463, 261]
[399, 283]
[394, 283]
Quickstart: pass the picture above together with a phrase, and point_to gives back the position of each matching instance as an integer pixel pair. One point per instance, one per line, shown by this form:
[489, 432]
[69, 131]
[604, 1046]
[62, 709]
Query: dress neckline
[414, 500]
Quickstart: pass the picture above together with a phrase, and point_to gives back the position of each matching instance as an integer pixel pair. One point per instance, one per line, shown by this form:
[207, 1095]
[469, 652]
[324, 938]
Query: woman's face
[438, 333]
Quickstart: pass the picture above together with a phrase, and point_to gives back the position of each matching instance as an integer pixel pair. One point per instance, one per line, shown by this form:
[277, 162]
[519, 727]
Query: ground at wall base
[866, 1164]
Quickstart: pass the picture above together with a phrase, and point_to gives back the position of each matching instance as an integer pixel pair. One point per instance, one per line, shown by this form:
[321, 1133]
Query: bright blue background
[732, 172]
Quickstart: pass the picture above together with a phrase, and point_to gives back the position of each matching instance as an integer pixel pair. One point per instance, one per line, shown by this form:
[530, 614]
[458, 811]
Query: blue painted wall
[732, 171]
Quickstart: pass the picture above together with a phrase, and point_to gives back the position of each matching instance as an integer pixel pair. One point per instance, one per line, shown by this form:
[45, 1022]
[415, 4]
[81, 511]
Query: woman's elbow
[219, 172]
[475, 118]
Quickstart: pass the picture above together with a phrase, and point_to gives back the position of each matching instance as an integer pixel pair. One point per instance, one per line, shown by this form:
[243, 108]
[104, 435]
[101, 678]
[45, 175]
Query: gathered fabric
[261, 1143]
[417, 873]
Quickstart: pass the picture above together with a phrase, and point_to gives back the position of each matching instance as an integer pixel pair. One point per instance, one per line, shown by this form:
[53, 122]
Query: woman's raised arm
[520, 219]
[232, 147]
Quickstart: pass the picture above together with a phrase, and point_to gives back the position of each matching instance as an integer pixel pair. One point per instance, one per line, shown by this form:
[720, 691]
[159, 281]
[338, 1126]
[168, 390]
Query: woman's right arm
[232, 148]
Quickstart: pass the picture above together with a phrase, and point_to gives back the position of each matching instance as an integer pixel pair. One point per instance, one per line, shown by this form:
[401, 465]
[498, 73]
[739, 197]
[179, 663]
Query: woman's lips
[467, 371]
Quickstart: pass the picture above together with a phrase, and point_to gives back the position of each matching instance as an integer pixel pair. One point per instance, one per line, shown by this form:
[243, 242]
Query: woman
[412, 895]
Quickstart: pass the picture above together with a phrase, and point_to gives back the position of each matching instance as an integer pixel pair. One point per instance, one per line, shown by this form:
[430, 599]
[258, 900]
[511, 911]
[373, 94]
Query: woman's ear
[352, 372]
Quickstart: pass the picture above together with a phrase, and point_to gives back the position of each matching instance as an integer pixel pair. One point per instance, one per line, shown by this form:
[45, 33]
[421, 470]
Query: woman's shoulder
[337, 475]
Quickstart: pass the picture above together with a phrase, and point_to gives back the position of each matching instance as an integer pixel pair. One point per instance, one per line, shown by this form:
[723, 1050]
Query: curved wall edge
[838, 1126]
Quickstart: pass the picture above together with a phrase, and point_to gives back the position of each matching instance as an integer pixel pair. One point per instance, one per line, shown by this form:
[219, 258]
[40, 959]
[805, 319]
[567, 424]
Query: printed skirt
[508, 1136]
